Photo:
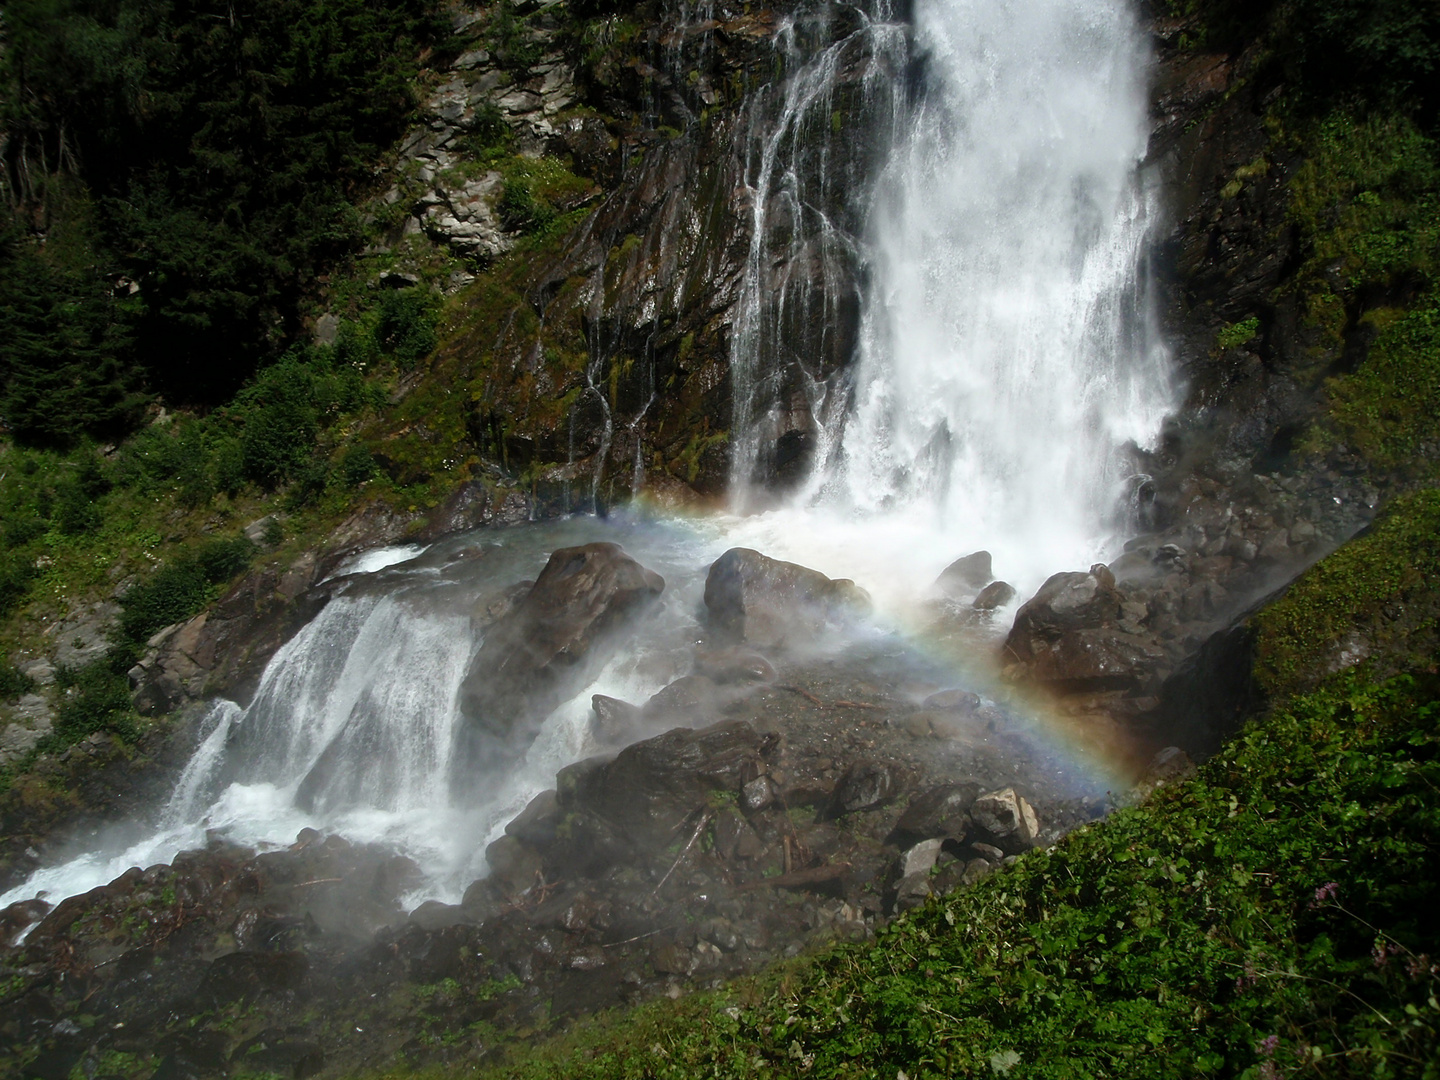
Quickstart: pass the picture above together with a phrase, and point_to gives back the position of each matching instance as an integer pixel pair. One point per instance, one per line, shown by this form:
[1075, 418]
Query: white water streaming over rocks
[1007, 357]
[1006, 362]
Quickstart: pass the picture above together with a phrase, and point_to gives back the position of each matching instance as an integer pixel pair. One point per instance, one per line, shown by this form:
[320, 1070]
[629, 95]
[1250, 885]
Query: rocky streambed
[808, 778]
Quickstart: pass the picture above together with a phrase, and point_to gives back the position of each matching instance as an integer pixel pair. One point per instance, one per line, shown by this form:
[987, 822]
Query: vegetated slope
[1268, 917]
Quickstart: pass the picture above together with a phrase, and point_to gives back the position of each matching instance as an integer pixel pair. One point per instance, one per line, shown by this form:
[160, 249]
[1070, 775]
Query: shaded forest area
[178, 176]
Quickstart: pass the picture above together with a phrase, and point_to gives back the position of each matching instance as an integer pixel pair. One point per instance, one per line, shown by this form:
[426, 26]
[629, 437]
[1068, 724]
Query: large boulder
[767, 603]
[552, 642]
[1069, 638]
[966, 576]
[640, 799]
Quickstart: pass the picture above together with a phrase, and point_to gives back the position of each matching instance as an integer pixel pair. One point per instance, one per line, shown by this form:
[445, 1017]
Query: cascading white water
[1007, 358]
[802, 160]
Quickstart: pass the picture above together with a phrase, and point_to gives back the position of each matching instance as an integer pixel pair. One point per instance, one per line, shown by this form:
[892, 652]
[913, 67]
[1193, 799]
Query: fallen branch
[704, 820]
[803, 693]
[319, 881]
[843, 704]
[637, 937]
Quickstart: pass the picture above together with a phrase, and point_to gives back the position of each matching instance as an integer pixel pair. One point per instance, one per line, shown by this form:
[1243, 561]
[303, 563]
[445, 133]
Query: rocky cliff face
[719, 161]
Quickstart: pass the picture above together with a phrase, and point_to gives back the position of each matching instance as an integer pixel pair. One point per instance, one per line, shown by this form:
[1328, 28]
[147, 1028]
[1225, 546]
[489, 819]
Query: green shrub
[1379, 588]
[16, 574]
[14, 683]
[96, 698]
[23, 528]
[521, 210]
[75, 512]
[309, 484]
[181, 588]
[357, 465]
[1237, 334]
[220, 560]
[406, 325]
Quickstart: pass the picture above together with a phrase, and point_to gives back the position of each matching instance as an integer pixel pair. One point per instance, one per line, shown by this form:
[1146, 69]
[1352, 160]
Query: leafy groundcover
[1274, 916]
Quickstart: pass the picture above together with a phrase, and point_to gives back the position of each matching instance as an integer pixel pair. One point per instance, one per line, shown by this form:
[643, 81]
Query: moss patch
[1375, 595]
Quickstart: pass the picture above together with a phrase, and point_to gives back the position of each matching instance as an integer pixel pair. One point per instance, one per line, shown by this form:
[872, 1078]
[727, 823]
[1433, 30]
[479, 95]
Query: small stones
[1007, 819]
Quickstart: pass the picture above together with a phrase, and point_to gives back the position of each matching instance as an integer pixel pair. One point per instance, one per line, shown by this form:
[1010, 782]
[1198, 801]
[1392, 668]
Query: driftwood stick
[704, 820]
[803, 693]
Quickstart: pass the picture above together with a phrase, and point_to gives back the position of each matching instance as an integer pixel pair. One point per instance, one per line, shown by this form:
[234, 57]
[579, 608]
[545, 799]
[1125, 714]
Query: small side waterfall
[1006, 354]
[811, 144]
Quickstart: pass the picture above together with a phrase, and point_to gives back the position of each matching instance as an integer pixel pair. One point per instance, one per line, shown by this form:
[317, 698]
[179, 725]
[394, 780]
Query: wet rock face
[553, 641]
[1068, 637]
[642, 797]
[767, 603]
[809, 812]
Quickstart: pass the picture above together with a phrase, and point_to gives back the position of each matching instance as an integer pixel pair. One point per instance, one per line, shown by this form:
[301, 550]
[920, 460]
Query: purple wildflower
[1325, 893]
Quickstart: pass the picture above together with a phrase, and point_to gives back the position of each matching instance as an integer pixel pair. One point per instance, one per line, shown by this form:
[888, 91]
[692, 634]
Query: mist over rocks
[551, 643]
[770, 604]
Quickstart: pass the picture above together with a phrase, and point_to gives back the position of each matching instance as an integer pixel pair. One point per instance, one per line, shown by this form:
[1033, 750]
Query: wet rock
[866, 784]
[19, 917]
[246, 975]
[921, 857]
[1069, 601]
[942, 811]
[911, 891]
[1073, 638]
[645, 794]
[614, 722]
[733, 665]
[995, 595]
[689, 700]
[757, 794]
[513, 864]
[989, 852]
[492, 607]
[1169, 765]
[536, 824]
[540, 653]
[966, 575]
[1104, 658]
[1004, 818]
[435, 915]
[279, 1053]
[771, 604]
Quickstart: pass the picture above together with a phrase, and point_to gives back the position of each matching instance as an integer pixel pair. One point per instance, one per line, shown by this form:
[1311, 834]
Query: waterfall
[1006, 357]
[1003, 363]
[807, 147]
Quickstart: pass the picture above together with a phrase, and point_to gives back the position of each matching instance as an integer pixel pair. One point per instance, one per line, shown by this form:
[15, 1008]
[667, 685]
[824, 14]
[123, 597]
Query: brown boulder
[554, 640]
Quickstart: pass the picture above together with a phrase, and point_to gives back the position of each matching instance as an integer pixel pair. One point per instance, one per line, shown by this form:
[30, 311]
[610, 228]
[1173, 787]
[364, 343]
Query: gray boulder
[767, 603]
[554, 640]
[639, 801]
[966, 576]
